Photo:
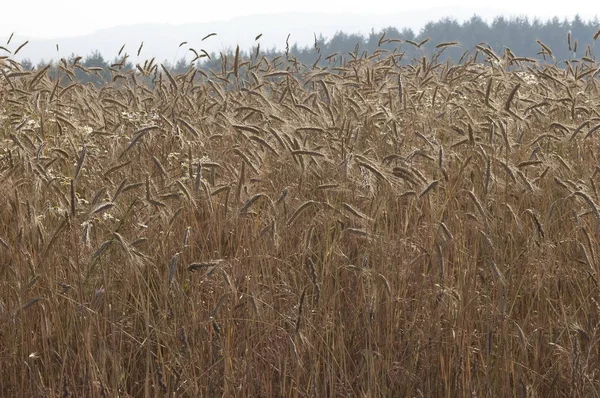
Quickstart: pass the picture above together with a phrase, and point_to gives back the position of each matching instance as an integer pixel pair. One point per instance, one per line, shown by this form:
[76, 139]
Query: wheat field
[371, 228]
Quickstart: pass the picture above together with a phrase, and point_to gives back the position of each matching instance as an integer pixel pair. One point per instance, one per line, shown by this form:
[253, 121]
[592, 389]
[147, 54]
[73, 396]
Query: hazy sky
[59, 18]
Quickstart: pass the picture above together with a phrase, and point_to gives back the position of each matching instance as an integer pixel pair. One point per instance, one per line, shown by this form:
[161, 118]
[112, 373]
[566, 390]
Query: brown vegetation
[371, 229]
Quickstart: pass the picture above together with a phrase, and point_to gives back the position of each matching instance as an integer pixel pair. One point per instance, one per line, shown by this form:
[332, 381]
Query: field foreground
[368, 229]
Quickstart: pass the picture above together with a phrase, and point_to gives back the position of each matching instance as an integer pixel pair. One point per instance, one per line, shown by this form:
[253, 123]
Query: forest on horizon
[567, 39]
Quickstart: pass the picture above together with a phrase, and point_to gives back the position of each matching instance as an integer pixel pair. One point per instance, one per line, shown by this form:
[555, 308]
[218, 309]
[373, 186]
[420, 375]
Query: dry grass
[282, 230]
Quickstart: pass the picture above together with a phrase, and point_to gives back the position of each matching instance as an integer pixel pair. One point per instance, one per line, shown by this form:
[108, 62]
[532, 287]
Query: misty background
[311, 37]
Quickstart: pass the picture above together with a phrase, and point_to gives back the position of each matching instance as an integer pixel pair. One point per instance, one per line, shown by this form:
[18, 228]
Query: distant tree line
[521, 36]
